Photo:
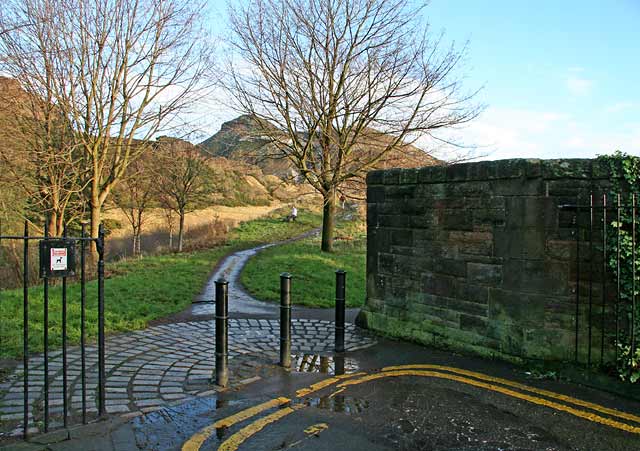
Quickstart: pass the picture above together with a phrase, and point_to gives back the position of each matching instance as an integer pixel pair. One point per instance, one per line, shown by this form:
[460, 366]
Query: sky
[559, 79]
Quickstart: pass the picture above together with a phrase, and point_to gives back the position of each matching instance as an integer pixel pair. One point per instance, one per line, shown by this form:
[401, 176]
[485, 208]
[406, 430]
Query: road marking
[197, 439]
[316, 429]
[237, 439]
[535, 400]
[539, 391]
[419, 370]
[325, 383]
[311, 431]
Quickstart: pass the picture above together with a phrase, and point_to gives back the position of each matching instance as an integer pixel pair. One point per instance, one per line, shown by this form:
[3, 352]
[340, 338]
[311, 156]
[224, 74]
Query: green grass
[313, 271]
[273, 228]
[136, 291]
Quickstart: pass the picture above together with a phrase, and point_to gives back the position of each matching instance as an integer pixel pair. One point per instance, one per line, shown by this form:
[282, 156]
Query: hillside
[241, 139]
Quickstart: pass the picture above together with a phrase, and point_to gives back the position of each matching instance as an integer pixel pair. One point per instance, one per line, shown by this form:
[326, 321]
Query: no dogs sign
[57, 258]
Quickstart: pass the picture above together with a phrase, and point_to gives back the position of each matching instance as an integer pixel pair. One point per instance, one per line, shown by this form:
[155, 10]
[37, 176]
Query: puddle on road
[325, 364]
[330, 365]
[338, 403]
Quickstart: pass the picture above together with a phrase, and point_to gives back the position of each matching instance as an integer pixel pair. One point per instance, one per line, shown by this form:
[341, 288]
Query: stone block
[432, 174]
[439, 285]
[386, 263]
[394, 193]
[372, 214]
[471, 308]
[472, 293]
[423, 221]
[409, 176]
[509, 335]
[471, 323]
[523, 243]
[391, 176]
[548, 344]
[457, 172]
[484, 274]
[518, 187]
[430, 192]
[396, 221]
[472, 189]
[483, 170]
[411, 206]
[512, 168]
[456, 219]
[516, 307]
[450, 267]
[562, 250]
[402, 237]
[536, 276]
[375, 177]
[487, 219]
[568, 168]
[375, 194]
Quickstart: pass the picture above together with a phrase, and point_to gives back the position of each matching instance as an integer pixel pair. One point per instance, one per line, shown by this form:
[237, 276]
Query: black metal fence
[57, 260]
[607, 281]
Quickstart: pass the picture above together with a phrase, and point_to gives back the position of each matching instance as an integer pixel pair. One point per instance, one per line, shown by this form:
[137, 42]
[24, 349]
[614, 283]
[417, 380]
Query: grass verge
[136, 291]
[313, 271]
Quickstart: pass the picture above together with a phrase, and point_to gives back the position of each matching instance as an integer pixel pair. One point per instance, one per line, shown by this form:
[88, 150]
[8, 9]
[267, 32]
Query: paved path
[171, 363]
[241, 303]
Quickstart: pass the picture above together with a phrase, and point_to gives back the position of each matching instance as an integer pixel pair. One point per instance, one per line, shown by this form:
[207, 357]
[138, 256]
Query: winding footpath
[170, 363]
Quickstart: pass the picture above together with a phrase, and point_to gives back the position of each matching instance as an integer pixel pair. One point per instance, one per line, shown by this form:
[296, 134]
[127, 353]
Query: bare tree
[119, 71]
[333, 75]
[135, 194]
[38, 151]
[184, 179]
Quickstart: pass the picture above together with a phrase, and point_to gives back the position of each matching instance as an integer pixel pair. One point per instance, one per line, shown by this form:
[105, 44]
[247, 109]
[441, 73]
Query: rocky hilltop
[242, 139]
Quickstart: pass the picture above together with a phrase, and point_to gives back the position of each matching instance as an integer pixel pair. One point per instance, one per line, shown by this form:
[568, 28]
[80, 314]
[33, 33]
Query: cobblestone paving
[172, 363]
[165, 364]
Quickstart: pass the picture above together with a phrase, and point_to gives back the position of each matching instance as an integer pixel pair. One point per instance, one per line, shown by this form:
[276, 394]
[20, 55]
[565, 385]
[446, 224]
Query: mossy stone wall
[478, 256]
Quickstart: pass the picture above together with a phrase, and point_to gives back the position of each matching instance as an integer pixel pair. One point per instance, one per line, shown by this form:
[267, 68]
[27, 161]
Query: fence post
[341, 277]
[65, 380]
[285, 320]
[102, 408]
[83, 296]
[222, 318]
[46, 337]
[25, 330]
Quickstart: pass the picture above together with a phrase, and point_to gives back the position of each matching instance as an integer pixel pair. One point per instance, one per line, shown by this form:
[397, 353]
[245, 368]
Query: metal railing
[606, 277]
[46, 275]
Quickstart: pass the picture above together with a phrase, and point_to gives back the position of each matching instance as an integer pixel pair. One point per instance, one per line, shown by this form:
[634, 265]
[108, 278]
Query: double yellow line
[504, 386]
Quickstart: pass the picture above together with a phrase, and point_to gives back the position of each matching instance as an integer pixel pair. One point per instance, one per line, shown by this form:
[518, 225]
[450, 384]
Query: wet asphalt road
[395, 413]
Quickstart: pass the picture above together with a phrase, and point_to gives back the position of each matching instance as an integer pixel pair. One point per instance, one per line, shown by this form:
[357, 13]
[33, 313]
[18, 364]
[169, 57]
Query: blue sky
[561, 78]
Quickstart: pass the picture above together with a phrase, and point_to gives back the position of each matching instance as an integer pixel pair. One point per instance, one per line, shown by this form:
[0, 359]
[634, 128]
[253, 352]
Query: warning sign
[58, 258]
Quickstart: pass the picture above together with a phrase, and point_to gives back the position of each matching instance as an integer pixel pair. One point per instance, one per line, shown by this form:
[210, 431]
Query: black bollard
[222, 319]
[285, 320]
[341, 277]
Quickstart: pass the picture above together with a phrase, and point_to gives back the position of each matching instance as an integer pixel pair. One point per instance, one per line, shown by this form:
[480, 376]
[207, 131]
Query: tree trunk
[171, 237]
[134, 244]
[181, 232]
[52, 224]
[328, 221]
[60, 224]
[95, 224]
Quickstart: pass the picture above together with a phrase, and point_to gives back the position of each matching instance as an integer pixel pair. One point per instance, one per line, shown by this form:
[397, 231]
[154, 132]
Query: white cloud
[579, 86]
[618, 107]
[519, 133]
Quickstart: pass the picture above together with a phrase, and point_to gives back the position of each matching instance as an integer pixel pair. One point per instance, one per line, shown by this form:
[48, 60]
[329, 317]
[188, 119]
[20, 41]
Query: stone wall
[478, 256]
